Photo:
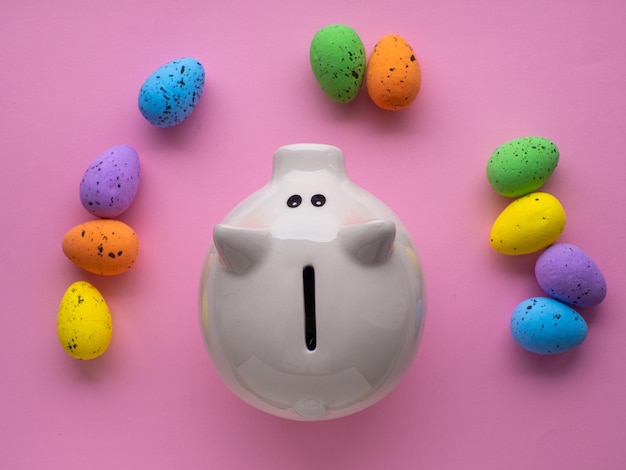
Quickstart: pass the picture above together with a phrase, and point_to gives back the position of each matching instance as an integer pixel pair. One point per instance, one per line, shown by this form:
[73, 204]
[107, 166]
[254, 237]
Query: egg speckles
[111, 181]
[84, 324]
[105, 246]
[337, 59]
[393, 74]
[170, 94]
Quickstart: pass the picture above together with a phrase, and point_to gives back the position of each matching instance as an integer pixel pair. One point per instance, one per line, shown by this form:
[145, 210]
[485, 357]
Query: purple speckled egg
[110, 183]
[567, 273]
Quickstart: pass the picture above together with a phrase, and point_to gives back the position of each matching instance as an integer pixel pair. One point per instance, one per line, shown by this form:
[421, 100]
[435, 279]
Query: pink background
[70, 72]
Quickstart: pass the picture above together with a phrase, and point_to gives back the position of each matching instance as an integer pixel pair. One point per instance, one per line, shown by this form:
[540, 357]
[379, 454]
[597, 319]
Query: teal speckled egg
[170, 94]
[521, 166]
[546, 326]
[338, 62]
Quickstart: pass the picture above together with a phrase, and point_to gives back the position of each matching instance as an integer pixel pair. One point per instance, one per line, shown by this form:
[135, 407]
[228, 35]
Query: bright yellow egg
[528, 224]
[84, 322]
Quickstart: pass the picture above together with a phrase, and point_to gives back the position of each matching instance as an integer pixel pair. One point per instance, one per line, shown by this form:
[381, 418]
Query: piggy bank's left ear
[240, 248]
[371, 242]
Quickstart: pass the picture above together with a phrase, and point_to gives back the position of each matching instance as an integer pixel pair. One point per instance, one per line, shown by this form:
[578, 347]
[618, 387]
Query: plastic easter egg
[170, 94]
[567, 273]
[528, 224]
[105, 246]
[546, 326]
[521, 166]
[84, 324]
[393, 76]
[337, 59]
[110, 183]
[312, 296]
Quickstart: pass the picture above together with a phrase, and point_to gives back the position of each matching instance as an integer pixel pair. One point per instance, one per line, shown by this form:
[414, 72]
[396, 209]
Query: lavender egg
[170, 94]
[110, 183]
[567, 273]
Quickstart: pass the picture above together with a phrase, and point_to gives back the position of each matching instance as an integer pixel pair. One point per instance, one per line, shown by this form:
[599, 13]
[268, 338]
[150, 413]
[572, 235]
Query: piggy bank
[312, 296]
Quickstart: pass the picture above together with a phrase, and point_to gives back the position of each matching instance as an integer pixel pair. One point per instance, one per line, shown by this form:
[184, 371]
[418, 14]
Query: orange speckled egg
[105, 246]
[393, 74]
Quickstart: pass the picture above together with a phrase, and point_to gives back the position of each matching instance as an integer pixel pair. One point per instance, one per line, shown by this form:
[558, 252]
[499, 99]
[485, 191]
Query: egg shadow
[519, 265]
[403, 121]
[372, 119]
[91, 371]
[548, 365]
[182, 137]
[594, 315]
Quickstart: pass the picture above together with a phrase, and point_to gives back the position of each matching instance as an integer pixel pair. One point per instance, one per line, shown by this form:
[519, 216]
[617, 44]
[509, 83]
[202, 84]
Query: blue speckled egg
[111, 181]
[568, 274]
[171, 93]
[546, 326]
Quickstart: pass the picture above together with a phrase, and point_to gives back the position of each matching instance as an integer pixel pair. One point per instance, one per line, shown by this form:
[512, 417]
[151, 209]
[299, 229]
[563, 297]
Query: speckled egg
[528, 224]
[337, 59]
[521, 166]
[393, 76]
[110, 183]
[546, 326]
[84, 324]
[103, 246]
[567, 273]
[170, 94]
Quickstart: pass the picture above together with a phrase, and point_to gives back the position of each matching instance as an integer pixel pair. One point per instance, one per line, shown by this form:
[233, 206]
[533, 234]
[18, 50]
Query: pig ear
[240, 248]
[370, 242]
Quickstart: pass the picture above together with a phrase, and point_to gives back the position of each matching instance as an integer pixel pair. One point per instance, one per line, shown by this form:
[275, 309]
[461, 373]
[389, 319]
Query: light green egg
[338, 61]
[521, 166]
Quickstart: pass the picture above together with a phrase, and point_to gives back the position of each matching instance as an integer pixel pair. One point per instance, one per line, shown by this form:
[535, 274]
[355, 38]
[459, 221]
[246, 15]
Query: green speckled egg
[521, 166]
[338, 62]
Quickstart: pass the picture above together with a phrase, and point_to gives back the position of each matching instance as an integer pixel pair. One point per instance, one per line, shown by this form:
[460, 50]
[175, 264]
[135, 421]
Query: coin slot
[308, 287]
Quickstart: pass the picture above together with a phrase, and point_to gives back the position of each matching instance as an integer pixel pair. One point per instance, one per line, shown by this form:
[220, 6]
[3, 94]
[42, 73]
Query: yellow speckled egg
[104, 246]
[84, 322]
[393, 76]
[528, 224]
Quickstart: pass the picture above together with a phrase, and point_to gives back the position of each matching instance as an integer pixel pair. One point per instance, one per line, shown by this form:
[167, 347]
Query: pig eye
[318, 200]
[294, 201]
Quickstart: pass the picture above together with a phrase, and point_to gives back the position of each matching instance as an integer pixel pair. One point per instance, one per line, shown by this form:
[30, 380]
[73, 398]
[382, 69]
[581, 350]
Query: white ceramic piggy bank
[312, 294]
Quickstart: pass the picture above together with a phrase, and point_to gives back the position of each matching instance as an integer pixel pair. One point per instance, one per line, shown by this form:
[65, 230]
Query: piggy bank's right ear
[240, 248]
[371, 242]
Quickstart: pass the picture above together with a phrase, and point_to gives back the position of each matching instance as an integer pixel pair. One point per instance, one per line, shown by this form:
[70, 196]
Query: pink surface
[492, 71]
